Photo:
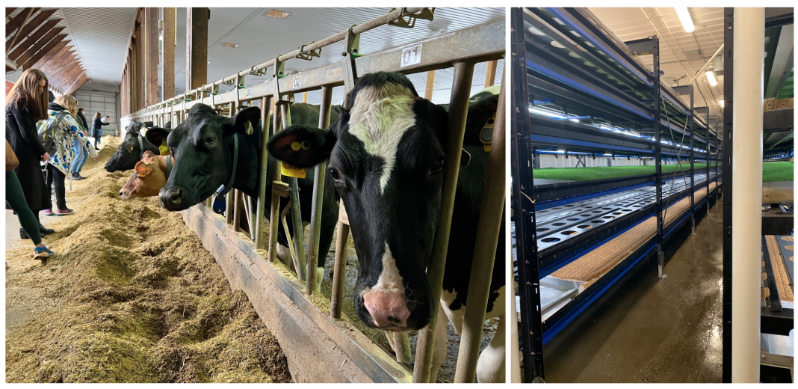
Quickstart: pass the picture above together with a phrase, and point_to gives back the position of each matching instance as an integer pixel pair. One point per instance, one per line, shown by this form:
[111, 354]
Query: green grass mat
[777, 171]
[602, 172]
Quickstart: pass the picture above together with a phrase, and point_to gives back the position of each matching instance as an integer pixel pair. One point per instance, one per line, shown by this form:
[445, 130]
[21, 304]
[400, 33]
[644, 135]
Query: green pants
[16, 200]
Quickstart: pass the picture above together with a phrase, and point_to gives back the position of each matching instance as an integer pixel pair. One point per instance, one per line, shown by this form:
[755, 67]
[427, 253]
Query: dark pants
[55, 176]
[16, 200]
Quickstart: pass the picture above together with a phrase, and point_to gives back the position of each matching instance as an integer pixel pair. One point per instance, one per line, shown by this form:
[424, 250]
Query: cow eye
[209, 140]
[436, 166]
[305, 145]
[334, 174]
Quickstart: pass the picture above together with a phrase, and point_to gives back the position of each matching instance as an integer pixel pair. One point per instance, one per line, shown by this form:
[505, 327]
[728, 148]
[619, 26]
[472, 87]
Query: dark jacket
[97, 127]
[24, 139]
[83, 121]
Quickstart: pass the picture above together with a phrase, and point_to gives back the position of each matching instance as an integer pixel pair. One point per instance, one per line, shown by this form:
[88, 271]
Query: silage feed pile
[603, 172]
[131, 296]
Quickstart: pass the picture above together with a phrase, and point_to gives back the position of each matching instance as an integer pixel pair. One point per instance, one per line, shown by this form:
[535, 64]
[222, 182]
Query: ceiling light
[277, 14]
[684, 16]
[711, 78]
[722, 105]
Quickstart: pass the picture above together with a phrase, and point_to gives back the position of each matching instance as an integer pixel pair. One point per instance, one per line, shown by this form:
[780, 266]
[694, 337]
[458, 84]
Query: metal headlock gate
[547, 235]
[461, 49]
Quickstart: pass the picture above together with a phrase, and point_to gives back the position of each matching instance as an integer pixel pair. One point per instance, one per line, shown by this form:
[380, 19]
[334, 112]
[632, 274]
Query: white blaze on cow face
[390, 281]
[379, 119]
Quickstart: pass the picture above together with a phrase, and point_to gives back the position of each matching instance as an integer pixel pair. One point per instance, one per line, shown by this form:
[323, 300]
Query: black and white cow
[386, 157]
[202, 147]
[130, 150]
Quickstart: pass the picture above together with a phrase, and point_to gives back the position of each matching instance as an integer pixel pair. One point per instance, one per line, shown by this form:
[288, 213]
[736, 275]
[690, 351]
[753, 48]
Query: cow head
[148, 179]
[386, 158]
[202, 147]
[129, 151]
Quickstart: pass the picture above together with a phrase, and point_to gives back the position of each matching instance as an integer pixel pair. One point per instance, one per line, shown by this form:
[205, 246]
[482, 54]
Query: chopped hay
[779, 270]
[131, 296]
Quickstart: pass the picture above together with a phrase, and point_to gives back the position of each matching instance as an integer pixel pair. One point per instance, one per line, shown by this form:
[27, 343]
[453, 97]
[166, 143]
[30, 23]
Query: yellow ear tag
[295, 146]
[292, 171]
[486, 147]
[163, 148]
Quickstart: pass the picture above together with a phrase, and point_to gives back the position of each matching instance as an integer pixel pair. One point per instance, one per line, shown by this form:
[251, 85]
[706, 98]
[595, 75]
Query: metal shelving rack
[555, 52]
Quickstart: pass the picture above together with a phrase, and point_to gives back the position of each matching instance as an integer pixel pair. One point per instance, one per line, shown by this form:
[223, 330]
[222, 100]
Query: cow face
[202, 148]
[129, 151]
[148, 179]
[386, 160]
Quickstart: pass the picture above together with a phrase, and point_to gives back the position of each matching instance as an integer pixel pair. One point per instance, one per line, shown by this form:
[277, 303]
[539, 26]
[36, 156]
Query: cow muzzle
[388, 310]
[173, 198]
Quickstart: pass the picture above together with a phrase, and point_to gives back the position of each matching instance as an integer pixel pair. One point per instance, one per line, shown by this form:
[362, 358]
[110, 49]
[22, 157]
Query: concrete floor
[650, 330]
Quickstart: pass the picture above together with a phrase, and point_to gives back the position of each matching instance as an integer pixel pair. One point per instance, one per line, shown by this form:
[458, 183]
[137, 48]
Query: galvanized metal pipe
[296, 212]
[277, 175]
[401, 345]
[490, 218]
[749, 46]
[458, 110]
[318, 196]
[260, 218]
[339, 269]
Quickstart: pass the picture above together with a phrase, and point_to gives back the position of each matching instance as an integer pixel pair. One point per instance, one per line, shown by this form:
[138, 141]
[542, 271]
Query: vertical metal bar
[337, 297]
[230, 198]
[458, 109]
[277, 175]
[521, 163]
[490, 218]
[318, 196]
[401, 344]
[238, 209]
[260, 219]
[690, 117]
[658, 156]
[728, 137]
[296, 212]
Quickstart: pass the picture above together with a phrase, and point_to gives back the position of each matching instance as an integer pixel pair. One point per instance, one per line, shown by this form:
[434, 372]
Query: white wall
[549, 161]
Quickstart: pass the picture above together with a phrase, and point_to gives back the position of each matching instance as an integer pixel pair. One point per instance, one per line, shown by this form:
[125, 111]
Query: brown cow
[149, 177]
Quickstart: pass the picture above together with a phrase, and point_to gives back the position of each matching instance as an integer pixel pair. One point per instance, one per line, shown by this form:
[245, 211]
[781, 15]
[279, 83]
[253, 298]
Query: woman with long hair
[26, 103]
[63, 111]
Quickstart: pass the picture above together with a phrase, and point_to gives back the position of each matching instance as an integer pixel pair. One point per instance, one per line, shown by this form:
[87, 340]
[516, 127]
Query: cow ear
[302, 146]
[156, 135]
[142, 169]
[148, 157]
[238, 124]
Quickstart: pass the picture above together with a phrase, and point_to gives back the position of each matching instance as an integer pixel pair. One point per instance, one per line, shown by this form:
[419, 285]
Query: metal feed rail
[461, 49]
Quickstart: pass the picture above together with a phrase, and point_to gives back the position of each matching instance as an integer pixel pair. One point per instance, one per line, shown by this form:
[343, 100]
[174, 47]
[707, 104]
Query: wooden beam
[151, 66]
[197, 47]
[430, 85]
[18, 20]
[16, 36]
[82, 80]
[65, 75]
[490, 76]
[10, 10]
[36, 22]
[30, 41]
[43, 51]
[50, 56]
[168, 61]
[52, 62]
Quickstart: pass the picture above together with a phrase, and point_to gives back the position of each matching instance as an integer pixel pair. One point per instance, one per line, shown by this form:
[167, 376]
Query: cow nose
[387, 309]
[171, 198]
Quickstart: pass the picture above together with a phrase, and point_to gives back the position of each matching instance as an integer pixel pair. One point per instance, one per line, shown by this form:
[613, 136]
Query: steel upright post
[692, 160]
[658, 157]
[521, 162]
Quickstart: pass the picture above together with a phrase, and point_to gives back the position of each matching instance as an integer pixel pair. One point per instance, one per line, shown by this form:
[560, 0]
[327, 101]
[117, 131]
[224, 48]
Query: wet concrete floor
[652, 330]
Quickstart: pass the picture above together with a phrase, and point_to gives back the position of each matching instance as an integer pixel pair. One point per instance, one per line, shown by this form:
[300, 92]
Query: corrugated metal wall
[105, 103]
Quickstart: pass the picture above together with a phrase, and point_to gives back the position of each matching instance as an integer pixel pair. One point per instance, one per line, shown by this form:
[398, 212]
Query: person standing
[15, 198]
[97, 129]
[80, 154]
[67, 129]
[26, 103]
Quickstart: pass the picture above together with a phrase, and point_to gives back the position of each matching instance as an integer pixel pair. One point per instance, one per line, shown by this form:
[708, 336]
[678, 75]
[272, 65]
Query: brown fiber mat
[779, 271]
[591, 266]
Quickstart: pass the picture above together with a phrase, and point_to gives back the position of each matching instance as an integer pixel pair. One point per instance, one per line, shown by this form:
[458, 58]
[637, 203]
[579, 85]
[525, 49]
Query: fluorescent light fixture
[711, 78]
[546, 113]
[684, 16]
[608, 155]
[722, 105]
[574, 120]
